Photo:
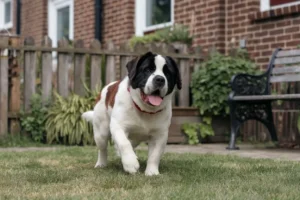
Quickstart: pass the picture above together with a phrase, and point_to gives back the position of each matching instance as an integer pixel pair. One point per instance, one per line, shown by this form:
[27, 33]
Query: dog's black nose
[159, 81]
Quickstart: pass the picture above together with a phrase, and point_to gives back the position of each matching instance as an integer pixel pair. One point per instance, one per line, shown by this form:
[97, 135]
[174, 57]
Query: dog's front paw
[130, 163]
[151, 171]
[100, 165]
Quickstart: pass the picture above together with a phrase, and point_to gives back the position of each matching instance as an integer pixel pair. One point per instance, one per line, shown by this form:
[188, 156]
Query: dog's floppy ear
[132, 66]
[175, 67]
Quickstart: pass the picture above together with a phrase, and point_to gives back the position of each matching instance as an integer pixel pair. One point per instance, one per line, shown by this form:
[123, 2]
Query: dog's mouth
[154, 99]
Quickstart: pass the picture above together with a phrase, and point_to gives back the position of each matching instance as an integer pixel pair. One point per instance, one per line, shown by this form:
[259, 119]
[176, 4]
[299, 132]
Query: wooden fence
[28, 68]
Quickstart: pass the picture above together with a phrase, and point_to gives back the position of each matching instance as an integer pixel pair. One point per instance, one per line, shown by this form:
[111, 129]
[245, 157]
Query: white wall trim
[265, 5]
[53, 6]
[4, 25]
[140, 18]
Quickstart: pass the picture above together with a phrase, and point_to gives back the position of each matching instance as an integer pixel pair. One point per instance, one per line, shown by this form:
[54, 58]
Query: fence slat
[124, 60]
[110, 75]
[184, 97]
[168, 48]
[62, 72]
[46, 71]
[95, 65]
[29, 73]
[79, 70]
[3, 88]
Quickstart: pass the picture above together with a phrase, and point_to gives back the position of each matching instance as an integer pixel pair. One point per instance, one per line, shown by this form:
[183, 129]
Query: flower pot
[221, 127]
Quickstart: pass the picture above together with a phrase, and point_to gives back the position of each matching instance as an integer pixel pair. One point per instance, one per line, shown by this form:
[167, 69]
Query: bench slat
[287, 60]
[286, 70]
[285, 78]
[287, 53]
[267, 97]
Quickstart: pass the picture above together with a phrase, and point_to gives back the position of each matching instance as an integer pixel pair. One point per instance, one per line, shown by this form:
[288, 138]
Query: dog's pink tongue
[155, 100]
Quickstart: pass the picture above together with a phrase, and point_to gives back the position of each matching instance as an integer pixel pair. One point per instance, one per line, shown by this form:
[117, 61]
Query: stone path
[245, 151]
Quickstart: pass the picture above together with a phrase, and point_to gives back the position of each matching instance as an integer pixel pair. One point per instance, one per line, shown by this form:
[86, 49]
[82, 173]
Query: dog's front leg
[156, 147]
[129, 159]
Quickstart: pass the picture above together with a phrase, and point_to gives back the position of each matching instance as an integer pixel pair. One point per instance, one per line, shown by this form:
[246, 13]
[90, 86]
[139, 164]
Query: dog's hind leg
[101, 136]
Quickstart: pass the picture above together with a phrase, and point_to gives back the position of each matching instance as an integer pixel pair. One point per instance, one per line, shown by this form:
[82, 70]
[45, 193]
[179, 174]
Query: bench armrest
[246, 84]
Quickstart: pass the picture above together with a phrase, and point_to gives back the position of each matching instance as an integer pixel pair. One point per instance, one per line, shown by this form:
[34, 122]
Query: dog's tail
[88, 116]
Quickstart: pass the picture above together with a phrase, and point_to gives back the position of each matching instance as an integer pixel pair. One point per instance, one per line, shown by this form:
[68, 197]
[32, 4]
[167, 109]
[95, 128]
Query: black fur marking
[172, 74]
[141, 68]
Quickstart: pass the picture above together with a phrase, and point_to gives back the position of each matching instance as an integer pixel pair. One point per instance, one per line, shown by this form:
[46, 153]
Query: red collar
[139, 109]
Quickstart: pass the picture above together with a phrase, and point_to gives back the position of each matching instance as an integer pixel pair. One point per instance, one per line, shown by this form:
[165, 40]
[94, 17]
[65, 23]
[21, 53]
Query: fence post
[79, 70]
[110, 68]
[3, 88]
[124, 60]
[29, 73]
[62, 71]
[14, 86]
[96, 61]
[46, 71]
[184, 95]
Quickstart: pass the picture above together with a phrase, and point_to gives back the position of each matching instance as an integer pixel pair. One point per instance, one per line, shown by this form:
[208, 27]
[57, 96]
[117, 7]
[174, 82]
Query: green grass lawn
[68, 173]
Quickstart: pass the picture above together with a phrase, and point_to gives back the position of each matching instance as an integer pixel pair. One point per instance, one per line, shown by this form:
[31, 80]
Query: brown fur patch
[111, 94]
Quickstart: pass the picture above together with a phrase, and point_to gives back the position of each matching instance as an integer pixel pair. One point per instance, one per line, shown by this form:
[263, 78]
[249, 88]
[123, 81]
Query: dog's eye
[152, 68]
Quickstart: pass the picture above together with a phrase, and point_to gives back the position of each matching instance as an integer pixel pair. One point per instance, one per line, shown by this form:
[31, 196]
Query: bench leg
[234, 127]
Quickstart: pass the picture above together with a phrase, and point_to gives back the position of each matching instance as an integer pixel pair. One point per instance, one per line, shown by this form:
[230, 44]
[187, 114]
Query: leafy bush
[176, 33]
[210, 84]
[64, 123]
[196, 131]
[33, 122]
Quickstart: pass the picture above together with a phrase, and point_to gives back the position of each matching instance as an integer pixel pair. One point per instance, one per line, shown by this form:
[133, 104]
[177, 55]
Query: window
[6, 14]
[60, 20]
[273, 4]
[153, 14]
[63, 23]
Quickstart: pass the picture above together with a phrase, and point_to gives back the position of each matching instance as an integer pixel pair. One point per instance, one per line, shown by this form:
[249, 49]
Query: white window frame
[53, 7]
[4, 25]
[265, 5]
[141, 18]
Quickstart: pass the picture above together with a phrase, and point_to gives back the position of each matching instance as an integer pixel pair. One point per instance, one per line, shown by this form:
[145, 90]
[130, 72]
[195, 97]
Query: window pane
[158, 11]
[7, 12]
[63, 19]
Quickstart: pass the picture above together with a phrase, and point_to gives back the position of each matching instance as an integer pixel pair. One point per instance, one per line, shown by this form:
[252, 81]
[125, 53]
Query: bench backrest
[287, 67]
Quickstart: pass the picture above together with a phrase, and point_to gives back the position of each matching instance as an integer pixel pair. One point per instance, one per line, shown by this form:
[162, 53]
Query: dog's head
[155, 76]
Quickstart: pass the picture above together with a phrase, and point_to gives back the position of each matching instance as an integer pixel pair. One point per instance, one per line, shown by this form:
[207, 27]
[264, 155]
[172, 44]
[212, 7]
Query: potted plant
[210, 90]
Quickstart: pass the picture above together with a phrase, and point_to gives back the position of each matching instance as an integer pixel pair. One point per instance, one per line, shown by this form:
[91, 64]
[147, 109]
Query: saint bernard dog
[136, 109]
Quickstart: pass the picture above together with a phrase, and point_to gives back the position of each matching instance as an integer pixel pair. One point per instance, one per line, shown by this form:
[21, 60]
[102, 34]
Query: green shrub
[210, 84]
[196, 131]
[33, 122]
[176, 33]
[64, 123]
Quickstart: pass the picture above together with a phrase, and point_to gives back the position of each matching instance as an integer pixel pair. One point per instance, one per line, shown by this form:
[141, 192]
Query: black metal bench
[251, 94]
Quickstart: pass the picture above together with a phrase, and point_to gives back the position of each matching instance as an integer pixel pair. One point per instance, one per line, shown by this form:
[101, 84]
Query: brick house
[258, 25]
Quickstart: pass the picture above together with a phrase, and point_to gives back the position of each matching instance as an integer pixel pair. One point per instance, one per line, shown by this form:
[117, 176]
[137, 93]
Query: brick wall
[262, 31]
[218, 23]
[214, 23]
[84, 20]
[206, 21]
[118, 20]
[34, 19]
